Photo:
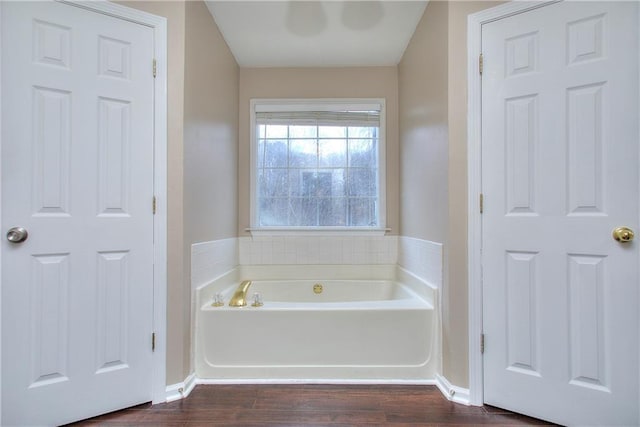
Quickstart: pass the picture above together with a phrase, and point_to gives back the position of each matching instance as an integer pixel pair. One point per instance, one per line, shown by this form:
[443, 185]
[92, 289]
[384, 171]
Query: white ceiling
[317, 33]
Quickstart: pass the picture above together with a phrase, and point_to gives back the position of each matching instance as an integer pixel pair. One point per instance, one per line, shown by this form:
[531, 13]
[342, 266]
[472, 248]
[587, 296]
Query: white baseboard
[453, 393]
[181, 390]
[315, 381]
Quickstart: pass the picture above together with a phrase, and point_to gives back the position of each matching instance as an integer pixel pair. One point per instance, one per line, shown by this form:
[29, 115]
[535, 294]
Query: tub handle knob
[218, 301]
[257, 300]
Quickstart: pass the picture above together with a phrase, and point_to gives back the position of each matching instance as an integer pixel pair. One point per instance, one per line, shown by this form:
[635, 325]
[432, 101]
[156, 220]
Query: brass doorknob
[623, 234]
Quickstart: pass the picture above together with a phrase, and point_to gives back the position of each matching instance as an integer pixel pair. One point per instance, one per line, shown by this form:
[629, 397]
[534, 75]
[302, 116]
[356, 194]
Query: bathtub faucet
[239, 298]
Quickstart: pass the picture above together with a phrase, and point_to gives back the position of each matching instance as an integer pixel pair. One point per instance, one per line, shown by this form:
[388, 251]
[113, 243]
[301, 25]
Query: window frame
[325, 104]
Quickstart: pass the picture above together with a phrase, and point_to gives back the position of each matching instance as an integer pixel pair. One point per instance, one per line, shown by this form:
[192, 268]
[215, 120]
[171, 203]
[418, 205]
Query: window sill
[317, 231]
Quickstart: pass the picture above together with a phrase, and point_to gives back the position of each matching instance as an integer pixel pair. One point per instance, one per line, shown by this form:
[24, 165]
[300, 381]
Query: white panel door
[559, 173]
[77, 174]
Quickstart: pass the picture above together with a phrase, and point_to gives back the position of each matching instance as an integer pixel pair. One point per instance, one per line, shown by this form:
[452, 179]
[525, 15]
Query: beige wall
[371, 82]
[422, 76]
[177, 331]
[433, 123]
[430, 132]
[457, 359]
[210, 142]
[424, 137]
[202, 85]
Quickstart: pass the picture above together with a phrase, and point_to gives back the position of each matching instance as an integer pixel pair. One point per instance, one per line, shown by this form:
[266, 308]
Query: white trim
[253, 212]
[262, 105]
[317, 231]
[256, 104]
[159, 26]
[117, 11]
[474, 138]
[474, 222]
[181, 390]
[382, 165]
[0, 206]
[451, 392]
[315, 381]
[160, 184]
[639, 177]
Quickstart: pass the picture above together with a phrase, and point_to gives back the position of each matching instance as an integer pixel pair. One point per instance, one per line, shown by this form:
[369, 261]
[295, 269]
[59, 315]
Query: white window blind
[320, 118]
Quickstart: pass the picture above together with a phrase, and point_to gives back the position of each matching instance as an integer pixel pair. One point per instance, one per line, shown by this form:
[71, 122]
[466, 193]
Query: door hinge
[155, 67]
[481, 343]
[480, 64]
[154, 205]
[481, 203]
[153, 341]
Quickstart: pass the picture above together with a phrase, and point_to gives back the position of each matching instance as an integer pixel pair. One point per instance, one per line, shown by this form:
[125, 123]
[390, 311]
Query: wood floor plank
[311, 405]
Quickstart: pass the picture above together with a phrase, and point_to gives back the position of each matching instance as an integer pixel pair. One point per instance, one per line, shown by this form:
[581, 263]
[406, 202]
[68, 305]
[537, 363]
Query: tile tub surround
[421, 258]
[326, 250]
[212, 259]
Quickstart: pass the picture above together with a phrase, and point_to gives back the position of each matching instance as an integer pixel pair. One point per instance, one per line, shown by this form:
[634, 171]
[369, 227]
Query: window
[318, 164]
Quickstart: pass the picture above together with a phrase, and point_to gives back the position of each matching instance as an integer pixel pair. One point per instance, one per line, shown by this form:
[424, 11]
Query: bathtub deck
[317, 405]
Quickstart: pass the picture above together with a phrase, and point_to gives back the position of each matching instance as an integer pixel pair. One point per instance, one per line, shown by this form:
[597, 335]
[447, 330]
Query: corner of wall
[181, 389]
[210, 126]
[451, 392]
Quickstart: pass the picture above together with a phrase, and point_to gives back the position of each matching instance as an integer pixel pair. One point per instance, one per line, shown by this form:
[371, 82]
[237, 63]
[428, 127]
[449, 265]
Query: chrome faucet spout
[239, 298]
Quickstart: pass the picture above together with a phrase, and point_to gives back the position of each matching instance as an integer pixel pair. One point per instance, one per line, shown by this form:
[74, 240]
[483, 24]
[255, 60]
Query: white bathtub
[354, 330]
[335, 293]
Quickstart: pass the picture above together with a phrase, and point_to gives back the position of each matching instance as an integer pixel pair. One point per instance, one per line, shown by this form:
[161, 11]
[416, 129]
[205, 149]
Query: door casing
[474, 184]
[159, 26]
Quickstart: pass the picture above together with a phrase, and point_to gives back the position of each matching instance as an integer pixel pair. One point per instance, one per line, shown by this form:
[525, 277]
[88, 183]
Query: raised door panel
[51, 151]
[114, 58]
[51, 44]
[521, 54]
[49, 319]
[585, 130]
[114, 139]
[522, 312]
[586, 39]
[521, 139]
[588, 341]
[112, 311]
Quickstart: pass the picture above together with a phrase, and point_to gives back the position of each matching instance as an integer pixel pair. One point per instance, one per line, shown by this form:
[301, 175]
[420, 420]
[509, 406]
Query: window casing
[318, 165]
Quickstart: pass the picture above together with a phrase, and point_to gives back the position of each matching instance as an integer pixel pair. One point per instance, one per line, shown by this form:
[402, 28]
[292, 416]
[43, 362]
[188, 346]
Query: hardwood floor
[310, 405]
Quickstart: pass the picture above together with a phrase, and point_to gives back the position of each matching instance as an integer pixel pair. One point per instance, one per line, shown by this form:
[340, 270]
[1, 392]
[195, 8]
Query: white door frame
[159, 26]
[1, 208]
[474, 185]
